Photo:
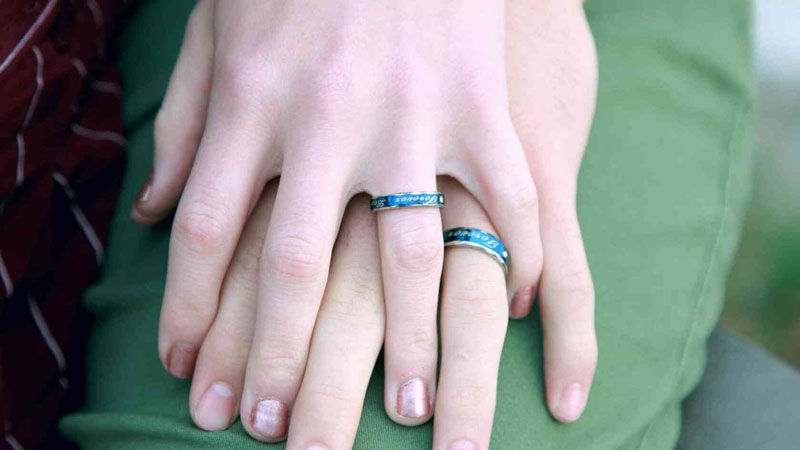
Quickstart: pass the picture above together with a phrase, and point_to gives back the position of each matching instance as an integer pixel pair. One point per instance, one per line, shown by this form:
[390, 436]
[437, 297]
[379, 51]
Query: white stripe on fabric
[39, 86]
[29, 115]
[99, 135]
[80, 217]
[9, 286]
[13, 442]
[20, 159]
[47, 335]
[28, 34]
[99, 20]
[80, 67]
[107, 87]
[97, 13]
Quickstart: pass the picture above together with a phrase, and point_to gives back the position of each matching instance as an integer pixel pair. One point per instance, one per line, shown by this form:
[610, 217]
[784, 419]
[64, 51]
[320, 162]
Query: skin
[254, 321]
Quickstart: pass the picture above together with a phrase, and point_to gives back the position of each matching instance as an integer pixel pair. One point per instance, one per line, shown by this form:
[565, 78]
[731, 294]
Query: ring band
[481, 240]
[406, 200]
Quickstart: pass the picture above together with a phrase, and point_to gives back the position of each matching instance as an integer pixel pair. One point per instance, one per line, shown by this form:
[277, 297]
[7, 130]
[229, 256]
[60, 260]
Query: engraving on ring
[481, 240]
[407, 199]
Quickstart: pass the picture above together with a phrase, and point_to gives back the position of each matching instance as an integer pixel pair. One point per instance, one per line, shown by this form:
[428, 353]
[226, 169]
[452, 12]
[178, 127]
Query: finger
[505, 189]
[411, 262]
[567, 308]
[347, 339]
[294, 269]
[474, 315]
[229, 172]
[180, 121]
[219, 375]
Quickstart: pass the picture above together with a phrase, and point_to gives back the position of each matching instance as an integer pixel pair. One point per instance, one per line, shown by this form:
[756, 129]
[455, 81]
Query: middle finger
[474, 316]
[346, 342]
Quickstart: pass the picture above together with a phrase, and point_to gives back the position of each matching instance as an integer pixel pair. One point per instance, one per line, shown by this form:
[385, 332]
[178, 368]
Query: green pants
[661, 196]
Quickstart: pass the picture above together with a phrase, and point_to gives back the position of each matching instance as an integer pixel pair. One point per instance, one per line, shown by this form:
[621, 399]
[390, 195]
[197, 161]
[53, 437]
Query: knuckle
[332, 393]
[332, 85]
[481, 87]
[179, 131]
[410, 87]
[414, 252]
[419, 341]
[284, 358]
[330, 93]
[231, 75]
[229, 341]
[201, 225]
[574, 287]
[236, 78]
[296, 256]
[479, 297]
[190, 319]
[524, 200]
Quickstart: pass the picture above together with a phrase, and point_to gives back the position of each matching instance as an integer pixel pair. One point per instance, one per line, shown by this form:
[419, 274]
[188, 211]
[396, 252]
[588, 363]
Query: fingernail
[146, 190]
[413, 400]
[180, 361]
[269, 418]
[316, 447]
[215, 409]
[462, 444]
[521, 302]
[570, 405]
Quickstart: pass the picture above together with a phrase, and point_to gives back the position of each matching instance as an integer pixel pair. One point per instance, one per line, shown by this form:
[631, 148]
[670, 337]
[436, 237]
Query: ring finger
[474, 315]
[411, 262]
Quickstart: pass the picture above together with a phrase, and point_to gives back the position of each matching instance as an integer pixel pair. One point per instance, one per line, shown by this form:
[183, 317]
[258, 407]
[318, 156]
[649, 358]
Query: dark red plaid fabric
[61, 162]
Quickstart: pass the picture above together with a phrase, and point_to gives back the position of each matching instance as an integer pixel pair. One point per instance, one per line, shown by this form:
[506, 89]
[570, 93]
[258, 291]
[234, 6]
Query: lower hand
[348, 336]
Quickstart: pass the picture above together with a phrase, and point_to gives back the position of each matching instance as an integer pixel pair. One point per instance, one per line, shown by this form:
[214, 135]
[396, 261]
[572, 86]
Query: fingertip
[141, 218]
[268, 420]
[180, 361]
[522, 302]
[143, 210]
[570, 403]
[215, 409]
[413, 403]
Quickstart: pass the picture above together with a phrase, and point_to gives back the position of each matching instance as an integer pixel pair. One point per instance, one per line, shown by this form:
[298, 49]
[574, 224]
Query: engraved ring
[477, 239]
[406, 200]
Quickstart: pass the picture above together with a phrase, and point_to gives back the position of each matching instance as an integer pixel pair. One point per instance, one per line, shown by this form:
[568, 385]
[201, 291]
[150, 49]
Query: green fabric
[661, 196]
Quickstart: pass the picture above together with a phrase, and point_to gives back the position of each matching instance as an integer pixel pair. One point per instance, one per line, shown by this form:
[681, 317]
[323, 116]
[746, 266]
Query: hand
[337, 97]
[552, 82]
[348, 335]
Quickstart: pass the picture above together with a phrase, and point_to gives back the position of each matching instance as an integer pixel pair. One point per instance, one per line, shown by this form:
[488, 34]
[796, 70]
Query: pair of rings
[453, 237]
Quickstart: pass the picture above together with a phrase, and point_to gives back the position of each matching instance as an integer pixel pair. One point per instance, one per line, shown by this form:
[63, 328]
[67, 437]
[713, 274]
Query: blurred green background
[763, 292]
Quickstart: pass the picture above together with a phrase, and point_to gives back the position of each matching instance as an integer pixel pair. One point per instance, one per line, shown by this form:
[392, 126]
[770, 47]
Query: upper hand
[336, 97]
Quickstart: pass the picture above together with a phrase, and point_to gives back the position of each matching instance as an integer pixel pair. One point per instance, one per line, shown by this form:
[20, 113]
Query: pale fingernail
[462, 444]
[270, 418]
[215, 409]
[180, 361]
[146, 190]
[521, 302]
[570, 405]
[317, 447]
[413, 399]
